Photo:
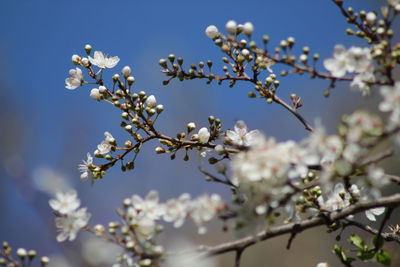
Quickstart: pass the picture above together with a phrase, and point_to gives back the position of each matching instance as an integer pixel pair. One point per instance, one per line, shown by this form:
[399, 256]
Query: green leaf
[366, 255]
[356, 241]
[383, 258]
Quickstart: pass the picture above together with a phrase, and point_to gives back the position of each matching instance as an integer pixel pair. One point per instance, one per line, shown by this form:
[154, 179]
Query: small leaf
[356, 241]
[366, 255]
[383, 258]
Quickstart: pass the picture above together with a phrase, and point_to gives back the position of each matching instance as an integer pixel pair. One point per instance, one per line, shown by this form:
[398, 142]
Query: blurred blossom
[49, 181]
[99, 252]
[58, 261]
[189, 258]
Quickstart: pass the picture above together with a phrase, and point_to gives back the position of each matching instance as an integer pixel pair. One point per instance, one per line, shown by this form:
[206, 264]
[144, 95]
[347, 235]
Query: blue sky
[48, 125]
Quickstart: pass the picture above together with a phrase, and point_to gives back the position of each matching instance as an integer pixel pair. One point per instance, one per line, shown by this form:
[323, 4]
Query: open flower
[240, 136]
[176, 210]
[70, 224]
[338, 64]
[75, 80]
[105, 146]
[102, 61]
[148, 206]
[65, 203]
[85, 167]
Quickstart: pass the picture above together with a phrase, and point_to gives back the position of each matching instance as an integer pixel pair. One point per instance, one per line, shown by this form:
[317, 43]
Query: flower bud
[163, 63]
[95, 94]
[231, 26]
[151, 101]
[99, 229]
[126, 71]
[76, 59]
[31, 254]
[219, 149]
[128, 127]
[248, 28]
[102, 89]
[88, 49]
[159, 108]
[115, 77]
[303, 58]
[371, 18]
[212, 32]
[191, 126]
[130, 80]
[21, 252]
[44, 260]
[160, 150]
[245, 53]
[85, 61]
[204, 135]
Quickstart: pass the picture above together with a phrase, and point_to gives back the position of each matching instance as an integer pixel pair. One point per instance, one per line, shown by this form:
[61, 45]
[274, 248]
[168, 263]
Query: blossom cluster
[321, 174]
[354, 60]
[69, 217]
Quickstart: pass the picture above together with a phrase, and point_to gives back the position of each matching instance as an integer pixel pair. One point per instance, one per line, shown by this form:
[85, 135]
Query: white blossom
[75, 80]
[69, 225]
[240, 136]
[361, 81]
[337, 199]
[105, 146]
[377, 177]
[371, 213]
[149, 205]
[391, 103]
[65, 203]
[338, 64]
[203, 209]
[266, 161]
[99, 252]
[212, 31]
[355, 59]
[102, 61]
[85, 167]
[204, 135]
[359, 59]
[145, 225]
[176, 210]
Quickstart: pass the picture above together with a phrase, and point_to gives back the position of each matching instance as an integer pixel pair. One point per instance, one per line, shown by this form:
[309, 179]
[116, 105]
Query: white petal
[378, 211]
[370, 215]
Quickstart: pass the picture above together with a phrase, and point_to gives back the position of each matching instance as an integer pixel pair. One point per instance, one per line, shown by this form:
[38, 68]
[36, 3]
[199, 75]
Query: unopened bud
[88, 49]
[126, 71]
[76, 59]
[160, 150]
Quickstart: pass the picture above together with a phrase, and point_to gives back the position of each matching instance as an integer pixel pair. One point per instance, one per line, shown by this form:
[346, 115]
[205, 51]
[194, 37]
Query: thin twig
[386, 236]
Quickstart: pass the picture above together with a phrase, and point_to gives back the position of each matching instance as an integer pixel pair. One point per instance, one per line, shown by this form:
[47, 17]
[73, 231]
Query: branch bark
[390, 201]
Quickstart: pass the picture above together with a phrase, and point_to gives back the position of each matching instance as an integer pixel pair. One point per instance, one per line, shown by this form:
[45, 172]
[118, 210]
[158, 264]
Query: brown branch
[390, 201]
[386, 236]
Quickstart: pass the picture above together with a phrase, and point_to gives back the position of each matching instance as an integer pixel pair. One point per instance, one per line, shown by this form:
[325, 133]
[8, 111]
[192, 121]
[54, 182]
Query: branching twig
[391, 201]
[386, 236]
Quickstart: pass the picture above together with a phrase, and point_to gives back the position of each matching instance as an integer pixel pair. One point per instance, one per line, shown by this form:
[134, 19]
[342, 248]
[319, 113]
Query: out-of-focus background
[46, 130]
